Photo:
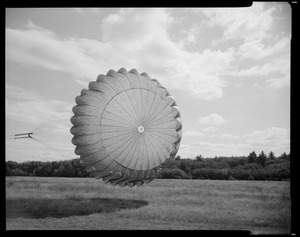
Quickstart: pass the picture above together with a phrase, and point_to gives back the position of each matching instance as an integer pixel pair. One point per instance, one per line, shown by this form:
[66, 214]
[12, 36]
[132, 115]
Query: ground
[262, 207]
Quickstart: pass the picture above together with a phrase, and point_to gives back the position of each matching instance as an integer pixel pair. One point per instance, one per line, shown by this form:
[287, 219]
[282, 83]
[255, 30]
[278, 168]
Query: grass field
[87, 203]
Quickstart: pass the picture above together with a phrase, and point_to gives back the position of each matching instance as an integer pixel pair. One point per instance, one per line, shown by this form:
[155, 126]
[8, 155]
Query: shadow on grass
[42, 208]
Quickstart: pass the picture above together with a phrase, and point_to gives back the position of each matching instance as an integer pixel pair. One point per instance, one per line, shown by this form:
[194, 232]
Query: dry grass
[261, 207]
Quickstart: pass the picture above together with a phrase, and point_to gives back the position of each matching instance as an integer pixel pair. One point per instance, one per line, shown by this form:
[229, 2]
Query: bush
[18, 172]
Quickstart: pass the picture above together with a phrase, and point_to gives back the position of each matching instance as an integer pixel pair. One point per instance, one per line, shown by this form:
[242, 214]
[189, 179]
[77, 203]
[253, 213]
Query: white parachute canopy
[127, 127]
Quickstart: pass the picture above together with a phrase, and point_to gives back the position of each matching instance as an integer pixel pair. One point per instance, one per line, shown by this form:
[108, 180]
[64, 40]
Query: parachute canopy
[127, 127]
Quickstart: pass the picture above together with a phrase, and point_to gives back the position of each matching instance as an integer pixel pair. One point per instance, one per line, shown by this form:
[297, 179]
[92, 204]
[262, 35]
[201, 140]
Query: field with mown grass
[87, 203]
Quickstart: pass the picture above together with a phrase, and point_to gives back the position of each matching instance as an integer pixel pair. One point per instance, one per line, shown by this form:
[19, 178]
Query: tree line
[251, 167]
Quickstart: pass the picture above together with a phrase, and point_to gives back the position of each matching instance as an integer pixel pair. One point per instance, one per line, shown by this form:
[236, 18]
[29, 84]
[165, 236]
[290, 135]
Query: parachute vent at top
[127, 127]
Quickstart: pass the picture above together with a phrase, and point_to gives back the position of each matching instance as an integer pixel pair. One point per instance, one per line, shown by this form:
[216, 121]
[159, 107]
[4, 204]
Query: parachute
[126, 128]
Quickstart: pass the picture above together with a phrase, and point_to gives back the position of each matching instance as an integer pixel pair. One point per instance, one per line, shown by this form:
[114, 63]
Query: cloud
[28, 106]
[49, 120]
[256, 50]
[276, 72]
[212, 149]
[190, 35]
[209, 129]
[192, 133]
[228, 136]
[131, 38]
[269, 138]
[213, 119]
[41, 47]
[246, 23]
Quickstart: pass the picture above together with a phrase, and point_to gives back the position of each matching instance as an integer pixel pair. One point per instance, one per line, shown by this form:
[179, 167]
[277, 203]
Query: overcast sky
[227, 68]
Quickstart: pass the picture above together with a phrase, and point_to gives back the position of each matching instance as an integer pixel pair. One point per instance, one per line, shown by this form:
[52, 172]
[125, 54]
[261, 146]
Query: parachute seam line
[122, 119]
[137, 116]
[137, 154]
[164, 117]
[123, 135]
[103, 169]
[124, 167]
[136, 100]
[145, 152]
[166, 121]
[107, 102]
[171, 112]
[151, 135]
[131, 122]
[151, 154]
[109, 145]
[89, 145]
[134, 148]
[112, 106]
[155, 143]
[154, 119]
[104, 172]
[130, 148]
[92, 154]
[140, 154]
[130, 143]
[155, 133]
[131, 112]
[141, 97]
[93, 163]
[131, 137]
[143, 100]
[147, 101]
[149, 110]
[154, 112]
[156, 126]
[145, 109]
[155, 94]
[89, 104]
[134, 153]
[104, 110]
[153, 151]
[115, 126]
[131, 105]
[114, 96]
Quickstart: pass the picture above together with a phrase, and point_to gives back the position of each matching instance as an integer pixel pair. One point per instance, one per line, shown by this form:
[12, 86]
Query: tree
[8, 171]
[177, 157]
[284, 156]
[271, 155]
[252, 157]
[199, 158]
[261, 159]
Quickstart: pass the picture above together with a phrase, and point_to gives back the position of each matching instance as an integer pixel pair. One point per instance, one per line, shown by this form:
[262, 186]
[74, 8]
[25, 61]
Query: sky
[227, 68]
